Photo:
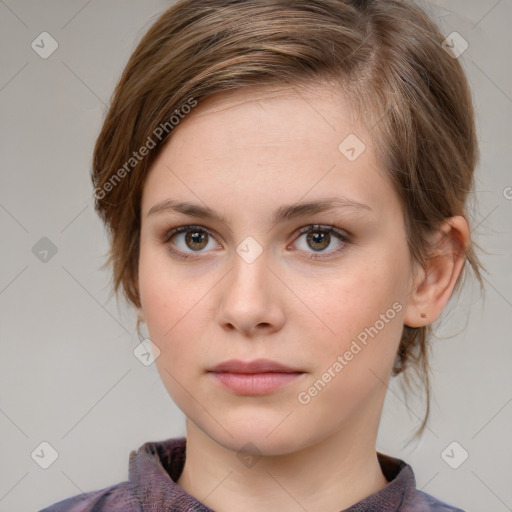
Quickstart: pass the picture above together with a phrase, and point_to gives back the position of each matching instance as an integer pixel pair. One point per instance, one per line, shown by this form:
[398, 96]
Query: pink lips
[258, 377]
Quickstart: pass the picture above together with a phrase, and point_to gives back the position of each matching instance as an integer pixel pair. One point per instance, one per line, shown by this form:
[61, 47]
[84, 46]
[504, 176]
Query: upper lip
[255, 366]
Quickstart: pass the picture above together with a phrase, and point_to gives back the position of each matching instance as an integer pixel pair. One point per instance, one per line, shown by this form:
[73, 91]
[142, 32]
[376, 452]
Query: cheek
[360, 314]
[356, 298]
[355, 354]
[173, 313]
[170, 301]
[173, 317]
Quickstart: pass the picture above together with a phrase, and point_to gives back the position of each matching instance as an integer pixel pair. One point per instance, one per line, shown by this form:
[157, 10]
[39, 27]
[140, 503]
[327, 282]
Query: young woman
[284, 185]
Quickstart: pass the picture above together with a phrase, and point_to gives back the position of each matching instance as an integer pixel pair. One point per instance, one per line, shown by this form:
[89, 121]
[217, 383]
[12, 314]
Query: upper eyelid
[190, 227]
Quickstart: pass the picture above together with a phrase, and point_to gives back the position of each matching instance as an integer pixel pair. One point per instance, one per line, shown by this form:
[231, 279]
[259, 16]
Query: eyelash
[343, 237]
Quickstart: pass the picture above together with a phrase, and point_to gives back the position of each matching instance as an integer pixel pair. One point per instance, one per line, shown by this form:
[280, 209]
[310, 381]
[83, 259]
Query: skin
[244, 155]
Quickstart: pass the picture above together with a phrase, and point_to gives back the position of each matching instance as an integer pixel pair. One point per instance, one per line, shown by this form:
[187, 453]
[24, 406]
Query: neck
[330, 475]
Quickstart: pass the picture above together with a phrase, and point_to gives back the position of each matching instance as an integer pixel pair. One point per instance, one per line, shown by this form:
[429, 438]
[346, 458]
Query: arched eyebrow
[281, 214]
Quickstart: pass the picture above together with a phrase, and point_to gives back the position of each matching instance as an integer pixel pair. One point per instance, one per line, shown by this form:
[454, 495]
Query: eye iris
[319, 237]
[195, 237]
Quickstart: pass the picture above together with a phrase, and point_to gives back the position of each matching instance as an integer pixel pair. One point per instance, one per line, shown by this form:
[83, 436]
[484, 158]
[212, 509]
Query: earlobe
[435, 285]
[416, 311]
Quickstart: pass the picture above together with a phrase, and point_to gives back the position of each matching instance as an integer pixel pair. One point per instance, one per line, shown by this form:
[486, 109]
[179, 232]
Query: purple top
[156, 466]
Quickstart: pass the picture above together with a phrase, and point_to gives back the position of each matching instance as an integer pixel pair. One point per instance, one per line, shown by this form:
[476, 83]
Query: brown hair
[386, 57]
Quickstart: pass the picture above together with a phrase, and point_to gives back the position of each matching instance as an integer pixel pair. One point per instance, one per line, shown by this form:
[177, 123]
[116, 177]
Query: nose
[250, 301]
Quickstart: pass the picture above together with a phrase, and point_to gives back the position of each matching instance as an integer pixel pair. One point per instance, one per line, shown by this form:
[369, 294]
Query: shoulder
[116, 498]
[419, 501]
[402, 489]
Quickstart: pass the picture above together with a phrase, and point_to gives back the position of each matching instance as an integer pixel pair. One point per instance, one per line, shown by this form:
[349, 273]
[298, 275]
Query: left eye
[320, 238]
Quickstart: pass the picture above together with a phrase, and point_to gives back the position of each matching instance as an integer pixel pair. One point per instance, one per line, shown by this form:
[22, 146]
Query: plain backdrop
[68, 375]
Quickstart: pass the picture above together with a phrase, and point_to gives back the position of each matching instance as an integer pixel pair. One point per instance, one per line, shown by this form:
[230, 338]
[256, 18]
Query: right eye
[185, 241]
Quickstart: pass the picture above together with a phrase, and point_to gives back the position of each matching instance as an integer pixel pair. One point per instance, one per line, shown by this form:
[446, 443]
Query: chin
[257, 433]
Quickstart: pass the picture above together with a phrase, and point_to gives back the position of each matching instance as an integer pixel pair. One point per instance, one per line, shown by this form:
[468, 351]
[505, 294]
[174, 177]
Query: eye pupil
[319, 237]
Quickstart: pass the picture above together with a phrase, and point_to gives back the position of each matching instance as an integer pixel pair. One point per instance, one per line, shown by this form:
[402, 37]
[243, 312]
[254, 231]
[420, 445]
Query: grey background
[68, 375]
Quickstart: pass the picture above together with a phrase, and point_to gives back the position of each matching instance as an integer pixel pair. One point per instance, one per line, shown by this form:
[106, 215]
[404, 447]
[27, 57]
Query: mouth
[258, 377]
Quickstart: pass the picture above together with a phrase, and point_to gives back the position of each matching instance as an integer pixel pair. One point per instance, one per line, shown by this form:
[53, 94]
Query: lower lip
[254, 383]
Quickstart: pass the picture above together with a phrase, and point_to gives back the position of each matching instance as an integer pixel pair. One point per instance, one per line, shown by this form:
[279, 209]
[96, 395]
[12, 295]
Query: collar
[156, 466]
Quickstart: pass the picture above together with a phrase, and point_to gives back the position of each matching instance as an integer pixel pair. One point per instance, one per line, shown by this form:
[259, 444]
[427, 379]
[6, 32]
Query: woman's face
[269, 280]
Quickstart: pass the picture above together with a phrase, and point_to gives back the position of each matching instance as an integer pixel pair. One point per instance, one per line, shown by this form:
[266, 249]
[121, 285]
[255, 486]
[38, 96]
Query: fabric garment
[156, 466]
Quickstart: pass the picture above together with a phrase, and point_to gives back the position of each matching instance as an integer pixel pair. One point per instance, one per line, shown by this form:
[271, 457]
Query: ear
[434, 284]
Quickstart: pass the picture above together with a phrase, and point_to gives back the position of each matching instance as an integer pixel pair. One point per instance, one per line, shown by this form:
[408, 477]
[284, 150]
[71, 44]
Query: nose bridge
[250, 273]
[249, 298]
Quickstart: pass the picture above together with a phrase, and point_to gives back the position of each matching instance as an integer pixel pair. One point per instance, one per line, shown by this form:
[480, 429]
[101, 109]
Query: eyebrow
[283, 213]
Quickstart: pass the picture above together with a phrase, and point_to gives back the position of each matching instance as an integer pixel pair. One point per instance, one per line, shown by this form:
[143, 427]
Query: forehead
[288, 138]
[280, 105]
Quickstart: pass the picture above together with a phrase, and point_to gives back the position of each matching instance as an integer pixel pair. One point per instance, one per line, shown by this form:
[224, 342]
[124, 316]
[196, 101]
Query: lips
[256, 366]
[258, 377]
